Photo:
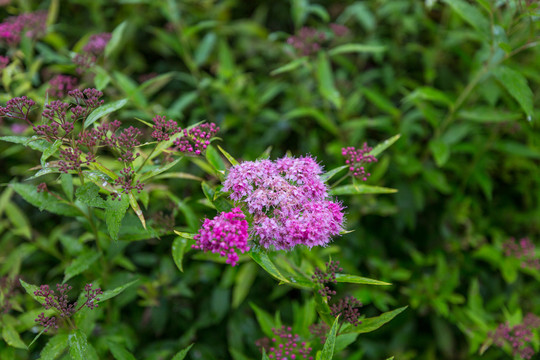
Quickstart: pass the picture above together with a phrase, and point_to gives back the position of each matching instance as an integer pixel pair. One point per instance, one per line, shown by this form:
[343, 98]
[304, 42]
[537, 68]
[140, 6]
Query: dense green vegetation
[437, 98]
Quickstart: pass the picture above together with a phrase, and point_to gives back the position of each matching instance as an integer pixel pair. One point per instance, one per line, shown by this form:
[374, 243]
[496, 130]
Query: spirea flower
[31, 25]
[348, 309]
[126, 181]
[163, 129]
[61, 85]
[523, 250]
[285, 345]
[18, 108]
[196, 140]
[4, 61]
[356, 159]
[518, 336]
[307, 41]
[327, 277]
[226, 234]
[288, 201]
[94, 48]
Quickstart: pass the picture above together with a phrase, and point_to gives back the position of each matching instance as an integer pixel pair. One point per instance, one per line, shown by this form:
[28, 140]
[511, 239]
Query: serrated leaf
[44, 200]
[33, 142]
[243, 282]
[354, 279]
[328, 349]
[470, 14]
[373, 323]
[360, 189]
[377, 150]
[81, 263]
[264, 261]
[325, 78]
[516, 85]
[79, 348]
[54, 347]
[179, 246]
[104, 110]
[88, 194]
[356, 48]
[116, 40]
[114, 213]
[12, 337]
[181, 355]
[50, 151]
[109, 294]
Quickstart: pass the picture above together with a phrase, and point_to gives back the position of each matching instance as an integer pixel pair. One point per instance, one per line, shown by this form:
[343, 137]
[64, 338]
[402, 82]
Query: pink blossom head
[226, 235]
[61, 85]
[357, 160]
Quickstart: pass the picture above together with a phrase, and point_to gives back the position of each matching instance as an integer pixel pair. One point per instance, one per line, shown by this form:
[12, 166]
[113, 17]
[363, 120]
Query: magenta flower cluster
[356, 159]
[348, 309]
[4, 61]
[326, 277]
[226, 234]
[61, 85]
[59, 301]
[307, 41]
[518, 336]
[93, 49]
[288, 202]
[285, 345]
[31, 25]
[523, 250]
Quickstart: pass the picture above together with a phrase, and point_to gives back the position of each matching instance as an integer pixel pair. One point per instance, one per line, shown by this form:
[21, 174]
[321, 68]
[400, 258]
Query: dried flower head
[518, 336]
[287, 199]
[356, 159]
[226, 234]
[348, 309]
[285, 345]
[327, 277]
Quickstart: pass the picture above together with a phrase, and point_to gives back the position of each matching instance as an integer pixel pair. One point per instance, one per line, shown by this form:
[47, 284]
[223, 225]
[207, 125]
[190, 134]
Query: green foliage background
[458, 80]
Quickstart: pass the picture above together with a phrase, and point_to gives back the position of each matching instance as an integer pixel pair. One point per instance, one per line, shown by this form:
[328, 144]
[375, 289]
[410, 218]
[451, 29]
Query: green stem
[340, 180]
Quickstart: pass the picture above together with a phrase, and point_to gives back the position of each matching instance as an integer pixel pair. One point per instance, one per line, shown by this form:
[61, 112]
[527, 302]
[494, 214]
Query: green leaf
[21, 224]
[179, 246]
[117, 39]
[384, 145]
[114, 213]
[102, 78]
[67, 185]
[11, 336]
[330, 343]
[261, 258]
[264, 356]
[229, 157]
[299, 12]
[182, 353]
[131, 89]
[137, 209]
[33, 142]
[213, 157]
[381, 102]
[470, 14]
[109, 294]
[440, 151]
[152, 86]
[50, 151]
[89, 194]
[205, 48]
[360, 189]
[516, 85]
[354, 279]
[324, 121]
[44, 200]
[81, 263]
[243, 282]
[30, 289]
[429, 94]
[119, 352]
[356, 48]
[79, 348]
[54, 347]
[264, 319]
[330, 174]
[184, 234]
[326, 81]
[488, 115]
[103, 110]
[372, 324]
[154, 172]
[293, 65]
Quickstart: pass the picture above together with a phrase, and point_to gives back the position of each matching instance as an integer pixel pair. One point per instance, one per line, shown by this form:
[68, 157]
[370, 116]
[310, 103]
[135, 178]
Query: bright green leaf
[103, 110]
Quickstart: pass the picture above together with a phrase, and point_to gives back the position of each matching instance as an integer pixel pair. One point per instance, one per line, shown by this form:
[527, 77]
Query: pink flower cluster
[226, 234]
[4, 61]
[519, 336]
[288, 201]
[356, 160]
[196, 139]
[93, 49]
[31, 25]
[523, 250]
[307, 41]
[61, 85]
[285, 345]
